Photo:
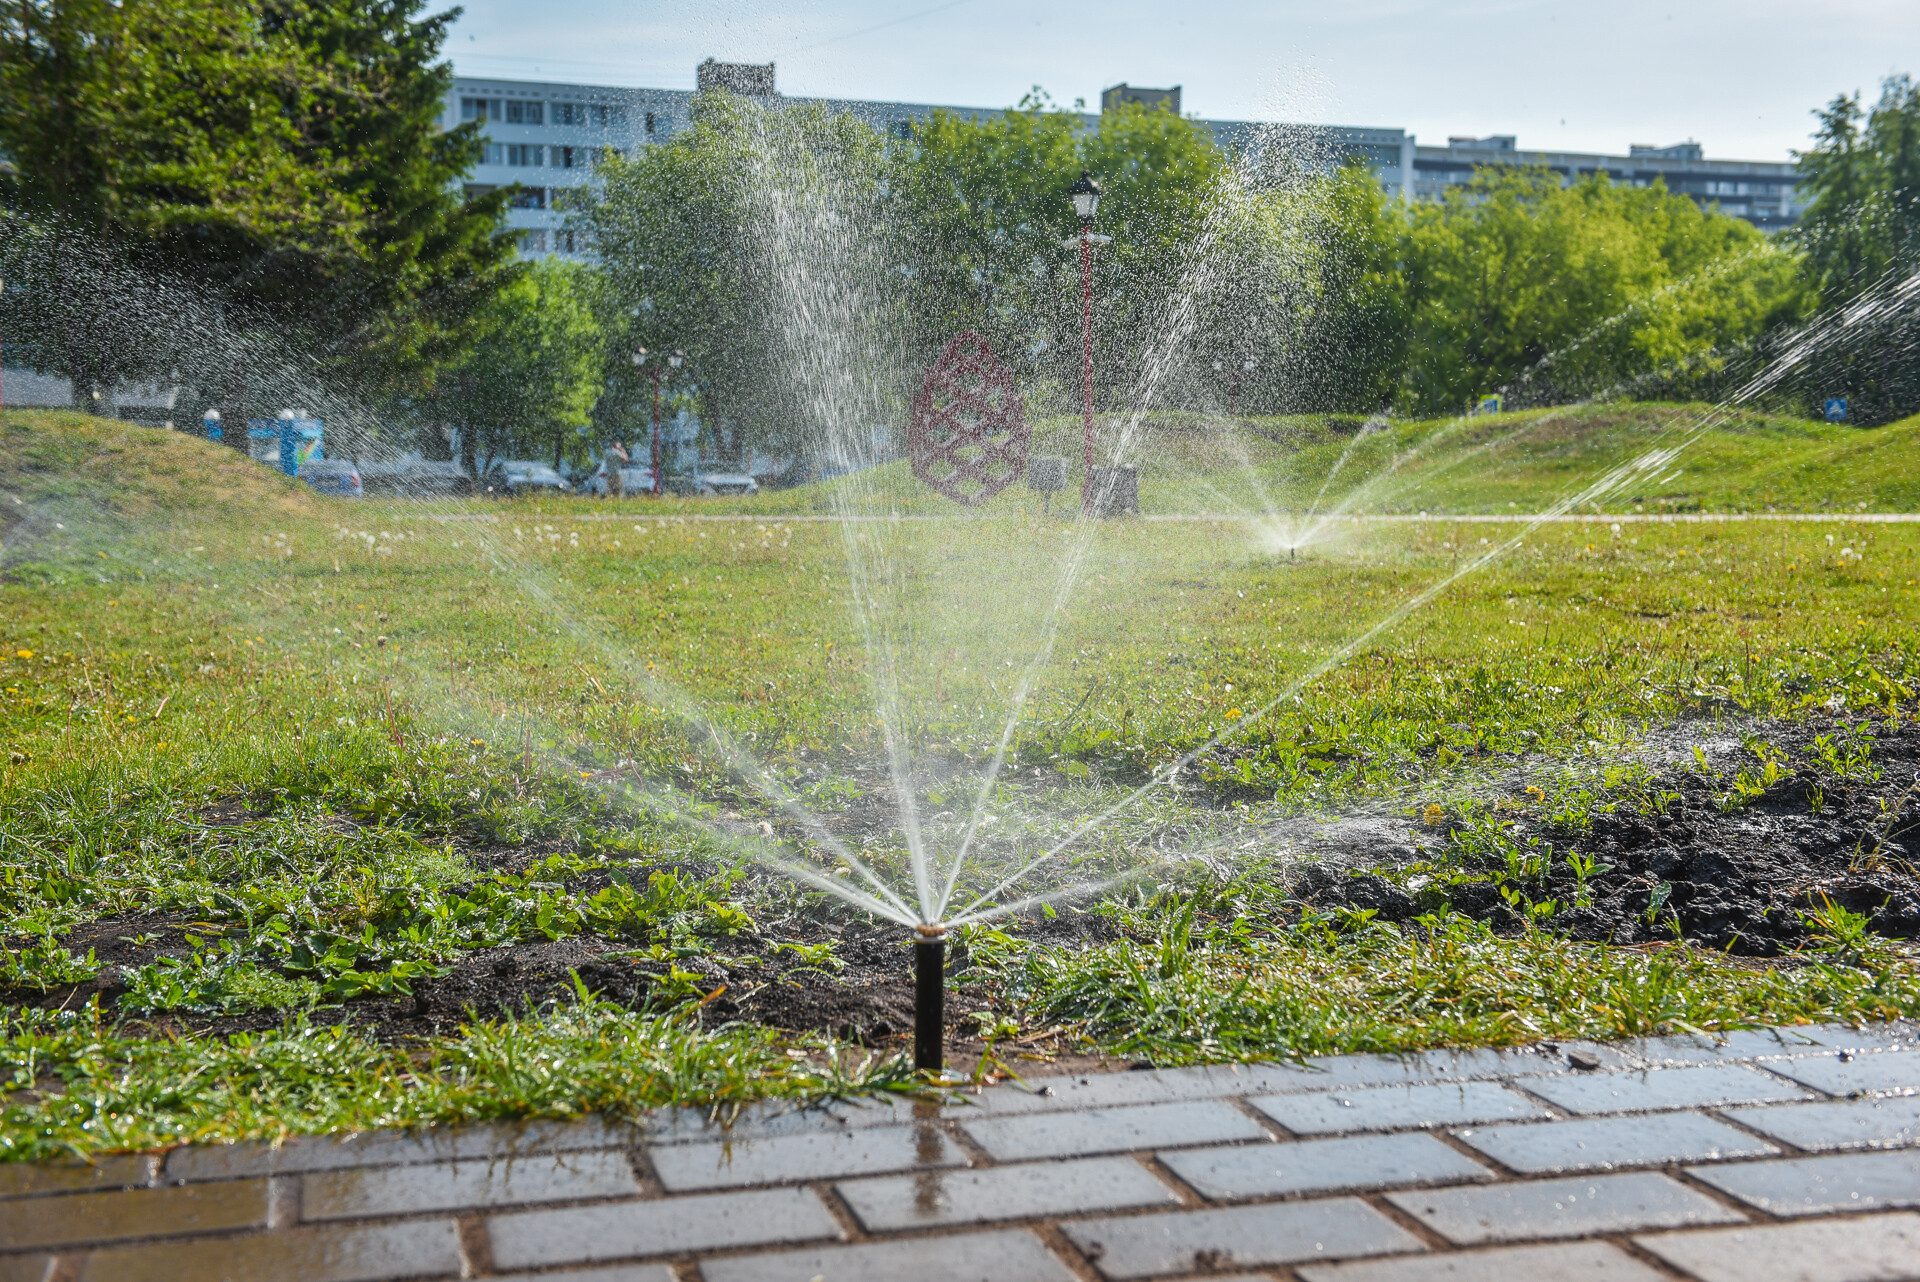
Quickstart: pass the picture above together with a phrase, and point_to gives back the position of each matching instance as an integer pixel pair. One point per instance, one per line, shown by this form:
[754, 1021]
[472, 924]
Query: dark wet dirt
[1741, 878]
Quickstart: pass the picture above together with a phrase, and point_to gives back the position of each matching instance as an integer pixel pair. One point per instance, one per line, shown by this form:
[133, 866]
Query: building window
[475, 191]
[609, 117]
[533, 242]
[479, 109]
[524, 113]
[523, 153]
[493, 154]
[568, 242]
[529, 198]
[562, 157]
[569, 113]
[649, 122]
[603, 154]
[902, 129]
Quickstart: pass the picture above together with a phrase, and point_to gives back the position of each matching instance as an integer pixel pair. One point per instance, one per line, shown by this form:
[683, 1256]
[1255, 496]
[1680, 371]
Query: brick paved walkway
[1770, 1155]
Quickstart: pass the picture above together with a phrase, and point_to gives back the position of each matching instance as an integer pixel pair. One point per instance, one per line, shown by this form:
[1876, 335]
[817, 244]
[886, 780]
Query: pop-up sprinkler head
[929, 997]
[1293, 554]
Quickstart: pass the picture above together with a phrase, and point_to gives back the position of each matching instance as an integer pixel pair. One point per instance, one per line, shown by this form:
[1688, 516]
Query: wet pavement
[1792, 1153]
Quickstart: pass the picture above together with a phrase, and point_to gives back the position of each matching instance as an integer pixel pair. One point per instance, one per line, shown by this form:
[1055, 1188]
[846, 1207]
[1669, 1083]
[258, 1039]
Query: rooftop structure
[1123, 93]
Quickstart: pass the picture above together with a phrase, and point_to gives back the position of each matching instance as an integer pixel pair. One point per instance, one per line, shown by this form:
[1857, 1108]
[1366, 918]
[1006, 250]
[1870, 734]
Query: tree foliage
[979, 216]
[281, 159]
[734, 244]
[530, 380]
[1554, 291]
[1863, 176]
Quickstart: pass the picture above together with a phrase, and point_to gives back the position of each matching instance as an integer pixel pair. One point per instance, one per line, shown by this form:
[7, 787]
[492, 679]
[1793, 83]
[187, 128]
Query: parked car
[729, 483]
[331, 476]
[633, 480]
[414, 478]
[513, 478]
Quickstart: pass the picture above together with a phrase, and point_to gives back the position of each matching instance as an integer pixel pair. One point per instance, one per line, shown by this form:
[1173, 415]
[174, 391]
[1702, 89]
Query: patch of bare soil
[1740, 876]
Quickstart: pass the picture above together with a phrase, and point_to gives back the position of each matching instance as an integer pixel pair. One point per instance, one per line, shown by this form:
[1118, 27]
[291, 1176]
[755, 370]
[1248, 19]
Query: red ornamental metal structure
[969, 434]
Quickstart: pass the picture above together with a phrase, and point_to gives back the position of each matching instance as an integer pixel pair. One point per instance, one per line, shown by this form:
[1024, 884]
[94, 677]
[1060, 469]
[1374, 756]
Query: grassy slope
[201, 629]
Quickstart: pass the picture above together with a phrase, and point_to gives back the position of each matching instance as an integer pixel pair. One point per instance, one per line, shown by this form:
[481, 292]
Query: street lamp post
[1085, 196]
[1233, 382]
[673, 360]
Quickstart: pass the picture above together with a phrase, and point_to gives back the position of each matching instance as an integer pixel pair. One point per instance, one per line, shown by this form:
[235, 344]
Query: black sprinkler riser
[929, 1004]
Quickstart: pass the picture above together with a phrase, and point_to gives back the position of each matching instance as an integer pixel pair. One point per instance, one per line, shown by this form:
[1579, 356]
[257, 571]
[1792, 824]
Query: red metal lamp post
[673, 360]
[1085, 196]
[1233, 382]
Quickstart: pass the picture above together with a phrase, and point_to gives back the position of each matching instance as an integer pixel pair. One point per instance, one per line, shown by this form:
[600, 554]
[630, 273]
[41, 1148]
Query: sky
[1739, 76]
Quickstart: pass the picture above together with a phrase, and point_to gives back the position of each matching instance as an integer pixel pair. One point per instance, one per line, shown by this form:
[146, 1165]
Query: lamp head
[639, 357]
[1085, 195]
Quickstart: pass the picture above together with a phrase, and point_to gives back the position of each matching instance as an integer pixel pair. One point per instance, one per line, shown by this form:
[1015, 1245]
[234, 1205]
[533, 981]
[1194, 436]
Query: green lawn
[338, 746]
[1732, 461]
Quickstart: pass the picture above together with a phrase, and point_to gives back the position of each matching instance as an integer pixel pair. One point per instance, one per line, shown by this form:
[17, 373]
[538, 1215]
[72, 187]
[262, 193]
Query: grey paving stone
[1899, 1034]
[1561, 1208]
[1877, 1073]
[1144, 1246]
[423, 1248]
[1814, 1185]
[1561, 1262]
[783, 1117]
[784, 1159]
[1322, 1166]
[1607, 1143]
[1750, 1043]
[1003, 1193]
[599, 1273]
[1118, 1090]
[29, 1179]
[136, 1213]
[1346, 1071]
[670, 1226]
[1113, 1130]
[1870, 1248]
[366, 1192]
[1879, 1122]
[1010, 1256]
[1393, 1108]
[26, 1268]
[394, 1148]
[1697, 1086]
[1111, 1090]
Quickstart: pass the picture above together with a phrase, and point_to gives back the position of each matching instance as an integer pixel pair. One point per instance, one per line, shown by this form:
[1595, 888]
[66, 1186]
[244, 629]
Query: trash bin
[1115, 491]
[1047, 473]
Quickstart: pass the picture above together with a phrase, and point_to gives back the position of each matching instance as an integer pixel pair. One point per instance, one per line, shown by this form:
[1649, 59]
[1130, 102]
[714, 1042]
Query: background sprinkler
[929, 997]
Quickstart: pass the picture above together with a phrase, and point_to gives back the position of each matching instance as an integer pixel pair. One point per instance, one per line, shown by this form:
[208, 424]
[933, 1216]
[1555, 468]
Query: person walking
[615, 460]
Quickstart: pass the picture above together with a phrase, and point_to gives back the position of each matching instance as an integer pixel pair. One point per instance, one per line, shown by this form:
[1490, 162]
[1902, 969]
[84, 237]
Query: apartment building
[1762, 192]
[550, 136]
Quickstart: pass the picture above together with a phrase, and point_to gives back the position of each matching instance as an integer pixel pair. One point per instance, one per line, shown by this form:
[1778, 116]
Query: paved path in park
[1223, 518]
[1789, 1154]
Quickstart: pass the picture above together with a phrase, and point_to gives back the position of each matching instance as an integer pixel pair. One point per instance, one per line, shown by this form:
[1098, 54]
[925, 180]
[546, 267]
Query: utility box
[1115, 491]
[1047, 473]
